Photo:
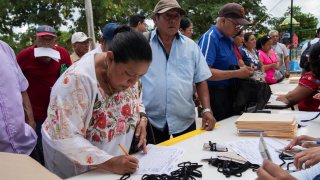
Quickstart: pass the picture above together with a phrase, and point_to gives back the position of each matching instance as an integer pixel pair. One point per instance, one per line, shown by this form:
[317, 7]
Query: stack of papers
[272, 125]
[294, 80]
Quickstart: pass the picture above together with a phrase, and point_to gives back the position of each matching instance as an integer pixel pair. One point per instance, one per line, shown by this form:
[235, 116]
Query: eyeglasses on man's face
[236, 25]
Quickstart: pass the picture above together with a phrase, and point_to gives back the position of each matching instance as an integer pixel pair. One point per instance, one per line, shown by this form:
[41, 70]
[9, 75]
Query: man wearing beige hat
[80, 44]
[217, 47]
[168, 85]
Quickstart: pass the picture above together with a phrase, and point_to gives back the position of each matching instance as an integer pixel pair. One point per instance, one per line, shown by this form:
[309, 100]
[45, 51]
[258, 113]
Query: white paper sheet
[274, 102]
[249, 149]
[49, 52]
[302, 115]
[159, 160]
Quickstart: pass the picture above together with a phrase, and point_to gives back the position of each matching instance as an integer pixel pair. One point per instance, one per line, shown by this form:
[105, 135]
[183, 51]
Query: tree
[58, 13]
[308, 23]
[23, 13]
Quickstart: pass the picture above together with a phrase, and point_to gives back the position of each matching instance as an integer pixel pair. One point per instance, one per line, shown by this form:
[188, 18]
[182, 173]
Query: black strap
[186, 171]
[307, 120]
[231, 168]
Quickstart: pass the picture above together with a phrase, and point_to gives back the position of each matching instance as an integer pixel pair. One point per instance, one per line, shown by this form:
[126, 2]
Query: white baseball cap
[79, 37]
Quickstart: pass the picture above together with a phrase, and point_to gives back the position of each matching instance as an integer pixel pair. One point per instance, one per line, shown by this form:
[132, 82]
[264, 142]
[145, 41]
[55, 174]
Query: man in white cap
[80, 44]
[168, 84]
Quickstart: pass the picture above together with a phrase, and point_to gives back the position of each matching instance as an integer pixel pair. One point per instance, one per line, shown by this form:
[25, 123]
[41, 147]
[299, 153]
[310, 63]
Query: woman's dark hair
[135, 19]
[262, 41]
[247, 36]
[185, 23]
[128, 44]
[314, 60]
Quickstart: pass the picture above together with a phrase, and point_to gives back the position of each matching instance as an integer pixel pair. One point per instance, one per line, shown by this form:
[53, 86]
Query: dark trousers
[221, 99]
[39, 148]
[160, 136]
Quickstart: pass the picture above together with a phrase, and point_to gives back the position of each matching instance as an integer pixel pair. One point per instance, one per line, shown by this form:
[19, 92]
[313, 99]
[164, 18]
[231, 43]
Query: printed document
[159, 160]
[249, 149]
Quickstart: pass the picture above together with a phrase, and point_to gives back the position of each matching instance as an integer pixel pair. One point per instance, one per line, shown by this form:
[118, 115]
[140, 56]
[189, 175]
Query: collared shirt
[313, 41]
[15, 135]
[74, 57]
[168, 84]
[41, 77]
[218, 52]
[281, 52]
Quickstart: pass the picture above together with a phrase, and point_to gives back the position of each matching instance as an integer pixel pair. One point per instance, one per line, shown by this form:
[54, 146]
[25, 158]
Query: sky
[307, 6]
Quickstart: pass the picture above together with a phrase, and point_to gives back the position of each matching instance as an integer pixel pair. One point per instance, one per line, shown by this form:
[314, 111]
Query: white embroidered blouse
[84, 125]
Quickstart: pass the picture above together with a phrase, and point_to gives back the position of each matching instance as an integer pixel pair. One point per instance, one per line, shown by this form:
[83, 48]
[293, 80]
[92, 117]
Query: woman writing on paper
[305, 93]
[94, 106]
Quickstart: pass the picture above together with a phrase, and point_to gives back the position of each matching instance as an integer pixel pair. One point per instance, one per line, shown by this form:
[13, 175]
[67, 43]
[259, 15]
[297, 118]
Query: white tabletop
[193, 150]
[282, 87]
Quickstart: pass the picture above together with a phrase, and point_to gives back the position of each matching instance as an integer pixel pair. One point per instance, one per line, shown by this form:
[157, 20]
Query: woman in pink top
[268, 59]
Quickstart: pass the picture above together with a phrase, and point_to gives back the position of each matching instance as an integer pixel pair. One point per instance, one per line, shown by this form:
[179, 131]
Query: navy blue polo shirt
[218, 52]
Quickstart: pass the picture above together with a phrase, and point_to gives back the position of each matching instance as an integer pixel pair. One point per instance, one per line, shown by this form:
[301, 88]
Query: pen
[312, 142]
[124, 150]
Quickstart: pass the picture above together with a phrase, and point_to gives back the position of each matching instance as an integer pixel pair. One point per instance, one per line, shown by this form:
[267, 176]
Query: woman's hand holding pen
[120, 164]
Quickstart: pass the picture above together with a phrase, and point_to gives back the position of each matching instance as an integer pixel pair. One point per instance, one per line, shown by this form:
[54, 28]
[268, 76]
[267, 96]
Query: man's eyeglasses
[236, 25]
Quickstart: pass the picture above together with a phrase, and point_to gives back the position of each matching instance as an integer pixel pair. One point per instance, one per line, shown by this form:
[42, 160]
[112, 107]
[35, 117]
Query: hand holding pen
[122, 164]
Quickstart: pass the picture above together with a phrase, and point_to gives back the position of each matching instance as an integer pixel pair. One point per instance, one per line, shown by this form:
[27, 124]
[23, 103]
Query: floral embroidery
[126, 111]
[107, 122]
[65, 80]
[89, 160]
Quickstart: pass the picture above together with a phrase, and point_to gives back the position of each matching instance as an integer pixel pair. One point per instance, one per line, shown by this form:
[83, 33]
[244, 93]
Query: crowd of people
[70, 112]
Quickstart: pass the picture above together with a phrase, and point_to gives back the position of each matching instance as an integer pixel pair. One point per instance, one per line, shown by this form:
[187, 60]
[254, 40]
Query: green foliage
[22, 13]
[308, 23]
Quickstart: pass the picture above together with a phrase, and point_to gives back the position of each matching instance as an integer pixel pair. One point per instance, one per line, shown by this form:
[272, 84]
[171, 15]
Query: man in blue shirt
[217, 47]
[176, 66]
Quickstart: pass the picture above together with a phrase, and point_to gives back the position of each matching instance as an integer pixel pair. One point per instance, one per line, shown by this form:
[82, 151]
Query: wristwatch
[206, 110]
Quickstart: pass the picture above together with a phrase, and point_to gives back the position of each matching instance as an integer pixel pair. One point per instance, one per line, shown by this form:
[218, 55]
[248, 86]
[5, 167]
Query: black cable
[186, 171]
[307, 120]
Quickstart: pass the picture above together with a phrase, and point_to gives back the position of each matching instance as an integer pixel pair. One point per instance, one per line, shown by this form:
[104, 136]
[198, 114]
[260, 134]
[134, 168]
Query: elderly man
[168, 84]
[16, 135]
[217, 47]
[137, 22]
[80, 44]
[281, 52]
[42, 65]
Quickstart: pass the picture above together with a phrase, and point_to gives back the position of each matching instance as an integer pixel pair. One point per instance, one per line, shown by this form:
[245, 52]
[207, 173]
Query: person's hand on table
[271, 171]
[299, 140]
[208, 121]
[307, 158]
[283, 99]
